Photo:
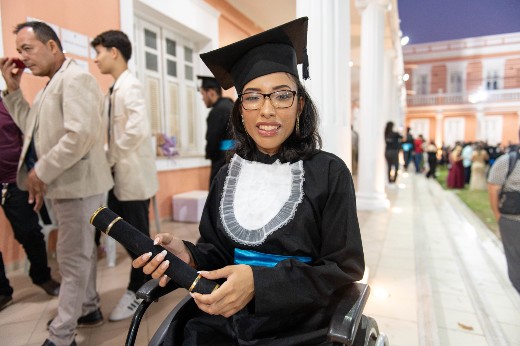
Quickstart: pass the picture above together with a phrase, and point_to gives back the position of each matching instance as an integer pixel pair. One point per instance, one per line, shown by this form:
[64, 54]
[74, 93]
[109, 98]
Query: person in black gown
[279, 229]
[218, 136]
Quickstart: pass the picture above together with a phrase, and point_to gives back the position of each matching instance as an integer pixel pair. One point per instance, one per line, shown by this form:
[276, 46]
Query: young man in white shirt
[129, 150]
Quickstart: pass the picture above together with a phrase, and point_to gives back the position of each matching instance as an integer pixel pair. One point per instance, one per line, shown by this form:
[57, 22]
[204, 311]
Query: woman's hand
[232, 296]
[157, 266]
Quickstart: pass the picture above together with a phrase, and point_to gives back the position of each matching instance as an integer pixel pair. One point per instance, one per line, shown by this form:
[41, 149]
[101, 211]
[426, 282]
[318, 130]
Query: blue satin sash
[226, 144]
[255, 258]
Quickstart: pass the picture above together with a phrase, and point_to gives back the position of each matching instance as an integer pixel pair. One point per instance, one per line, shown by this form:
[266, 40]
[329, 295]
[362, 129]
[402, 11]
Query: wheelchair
[348, 325]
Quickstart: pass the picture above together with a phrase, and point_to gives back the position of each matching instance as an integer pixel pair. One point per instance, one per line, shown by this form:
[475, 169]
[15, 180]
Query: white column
[389, 92]
[328, 47]
[372, 166]
[126, 17]
[438, 128]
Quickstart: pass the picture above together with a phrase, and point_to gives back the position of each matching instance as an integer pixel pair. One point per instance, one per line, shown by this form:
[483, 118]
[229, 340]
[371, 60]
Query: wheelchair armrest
[178, 315]
[345, 321]
[151, 290]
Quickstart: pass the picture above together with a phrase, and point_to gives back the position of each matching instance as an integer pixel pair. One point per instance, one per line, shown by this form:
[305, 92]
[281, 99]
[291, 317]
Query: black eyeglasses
[279, 99]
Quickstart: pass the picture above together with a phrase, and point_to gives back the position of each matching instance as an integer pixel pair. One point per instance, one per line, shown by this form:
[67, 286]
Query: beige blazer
[66, 122]
[130, 151]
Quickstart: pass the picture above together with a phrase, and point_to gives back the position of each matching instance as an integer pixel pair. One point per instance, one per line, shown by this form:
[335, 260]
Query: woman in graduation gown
[279, 229]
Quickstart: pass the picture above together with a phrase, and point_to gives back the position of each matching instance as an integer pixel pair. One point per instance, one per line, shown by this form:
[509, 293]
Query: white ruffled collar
[259, 198]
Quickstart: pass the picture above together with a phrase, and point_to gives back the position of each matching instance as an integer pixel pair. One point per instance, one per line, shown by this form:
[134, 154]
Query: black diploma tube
[181, 273]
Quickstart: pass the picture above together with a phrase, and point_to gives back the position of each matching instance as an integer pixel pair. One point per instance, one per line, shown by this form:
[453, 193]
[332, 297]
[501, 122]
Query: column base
[372, 201]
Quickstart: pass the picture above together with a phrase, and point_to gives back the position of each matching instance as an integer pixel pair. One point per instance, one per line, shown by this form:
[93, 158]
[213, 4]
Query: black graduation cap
[279, 49]
[208, 82]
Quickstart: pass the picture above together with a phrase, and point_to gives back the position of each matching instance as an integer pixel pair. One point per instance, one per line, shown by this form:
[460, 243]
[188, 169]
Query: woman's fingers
[162, 239]
[234, 294]
[156, 267]
[141, 260]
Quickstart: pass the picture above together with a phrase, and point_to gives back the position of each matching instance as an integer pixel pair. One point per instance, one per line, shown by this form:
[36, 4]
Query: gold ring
[195, 282]
[95, 214]
[112, 224]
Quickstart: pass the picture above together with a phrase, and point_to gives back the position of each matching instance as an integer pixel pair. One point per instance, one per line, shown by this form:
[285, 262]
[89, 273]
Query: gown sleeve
[213, 250]
[293, 286]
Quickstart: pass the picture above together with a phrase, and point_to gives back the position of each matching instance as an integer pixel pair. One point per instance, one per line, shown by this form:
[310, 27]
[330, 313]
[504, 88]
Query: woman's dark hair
[389, 129]
[297, 146]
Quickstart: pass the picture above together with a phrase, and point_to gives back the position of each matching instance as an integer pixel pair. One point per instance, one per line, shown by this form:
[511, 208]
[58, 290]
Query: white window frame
[420, 126]
[422, 79]
[456, 68]
[188, 134]
[492, 129]
[454, 129]
[493, 72]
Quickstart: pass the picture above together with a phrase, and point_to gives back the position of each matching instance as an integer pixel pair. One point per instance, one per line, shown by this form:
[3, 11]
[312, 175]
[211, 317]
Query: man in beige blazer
[62, 159]
[129, 150]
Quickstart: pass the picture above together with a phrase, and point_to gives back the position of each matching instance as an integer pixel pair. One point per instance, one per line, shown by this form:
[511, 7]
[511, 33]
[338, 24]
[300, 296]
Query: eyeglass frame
[293, 92]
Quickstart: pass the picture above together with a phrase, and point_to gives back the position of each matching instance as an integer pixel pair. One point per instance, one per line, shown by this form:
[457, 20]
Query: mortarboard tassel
[305, 65]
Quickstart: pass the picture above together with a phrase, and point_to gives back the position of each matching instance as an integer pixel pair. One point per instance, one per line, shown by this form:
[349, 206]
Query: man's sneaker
[93, 319]
[125, 308]
[47, 342]
[5, 301]
[51, 287]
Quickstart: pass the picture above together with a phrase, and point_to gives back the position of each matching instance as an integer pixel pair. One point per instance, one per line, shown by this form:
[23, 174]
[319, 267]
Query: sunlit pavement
[438, 275]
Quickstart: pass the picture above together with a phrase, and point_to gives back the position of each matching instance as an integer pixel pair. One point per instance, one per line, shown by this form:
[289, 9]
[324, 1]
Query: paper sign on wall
[75, 43]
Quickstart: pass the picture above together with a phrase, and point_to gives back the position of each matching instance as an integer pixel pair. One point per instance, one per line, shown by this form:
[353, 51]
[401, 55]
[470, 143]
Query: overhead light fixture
[350, 63]
[405, 40]
[406, 76]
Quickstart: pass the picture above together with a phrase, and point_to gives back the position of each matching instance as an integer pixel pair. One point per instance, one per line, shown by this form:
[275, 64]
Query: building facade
[465, 90]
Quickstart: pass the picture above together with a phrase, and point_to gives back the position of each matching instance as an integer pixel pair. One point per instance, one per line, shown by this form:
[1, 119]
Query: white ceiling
[266, 13]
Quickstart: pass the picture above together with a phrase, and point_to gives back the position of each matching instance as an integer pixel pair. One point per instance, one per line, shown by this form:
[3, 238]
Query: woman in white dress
[478, 169]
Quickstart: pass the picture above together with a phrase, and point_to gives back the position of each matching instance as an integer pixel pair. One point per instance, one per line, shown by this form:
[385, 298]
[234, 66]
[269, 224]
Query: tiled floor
[438, 277]
[24, 322]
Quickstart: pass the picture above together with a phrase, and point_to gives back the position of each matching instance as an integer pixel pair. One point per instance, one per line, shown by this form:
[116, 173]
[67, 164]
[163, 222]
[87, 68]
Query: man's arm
[36, 189]
[15, 103]
[136, 128]
[81, 124]
[493, 199]
[11, 73]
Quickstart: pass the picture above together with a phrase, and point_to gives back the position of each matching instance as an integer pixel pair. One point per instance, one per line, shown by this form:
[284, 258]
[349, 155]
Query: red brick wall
[408, 83]
[438, 80]
[473, 76]
[512, 74]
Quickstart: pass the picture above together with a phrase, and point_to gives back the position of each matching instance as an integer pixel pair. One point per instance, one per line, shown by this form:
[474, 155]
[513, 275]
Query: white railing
[504, 95]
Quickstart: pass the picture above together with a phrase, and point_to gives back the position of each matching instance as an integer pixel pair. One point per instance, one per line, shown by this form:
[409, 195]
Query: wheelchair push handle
[136, 242]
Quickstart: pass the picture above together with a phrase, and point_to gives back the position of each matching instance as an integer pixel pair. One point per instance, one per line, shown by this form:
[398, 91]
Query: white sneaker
[125, 308]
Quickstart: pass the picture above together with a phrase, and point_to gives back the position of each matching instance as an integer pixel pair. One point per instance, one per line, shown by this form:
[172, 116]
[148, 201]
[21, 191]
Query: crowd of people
[468, 163]
[78, 150]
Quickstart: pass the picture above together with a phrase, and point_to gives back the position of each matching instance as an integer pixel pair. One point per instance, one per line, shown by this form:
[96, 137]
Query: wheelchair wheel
[367, 332]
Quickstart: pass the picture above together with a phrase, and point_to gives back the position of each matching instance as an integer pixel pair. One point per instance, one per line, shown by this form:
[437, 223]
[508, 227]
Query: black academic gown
[218, 130]
[293, 301]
